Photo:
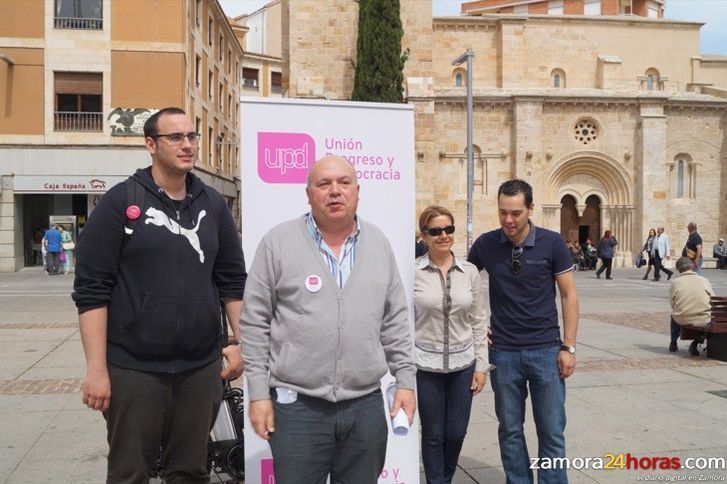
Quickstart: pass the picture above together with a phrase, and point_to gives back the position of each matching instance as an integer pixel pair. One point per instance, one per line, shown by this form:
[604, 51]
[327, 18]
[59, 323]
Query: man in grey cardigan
[325, 317]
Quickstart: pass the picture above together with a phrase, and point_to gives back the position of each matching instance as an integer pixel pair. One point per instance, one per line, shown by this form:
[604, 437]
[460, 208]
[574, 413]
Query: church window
[680, 179]
[557, 78]
[458, 79]
[586, 131]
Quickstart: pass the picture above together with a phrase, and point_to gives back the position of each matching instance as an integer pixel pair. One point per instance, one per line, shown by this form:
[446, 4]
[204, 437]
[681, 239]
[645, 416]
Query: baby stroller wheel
[236, 461]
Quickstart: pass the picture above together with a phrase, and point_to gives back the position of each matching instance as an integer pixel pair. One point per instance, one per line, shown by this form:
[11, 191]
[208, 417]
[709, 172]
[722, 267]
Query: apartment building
[78, 78]
[261, 40]
[642, 8]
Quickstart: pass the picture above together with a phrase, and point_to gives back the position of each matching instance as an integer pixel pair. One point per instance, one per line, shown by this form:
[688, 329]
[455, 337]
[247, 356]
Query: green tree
[379, 61]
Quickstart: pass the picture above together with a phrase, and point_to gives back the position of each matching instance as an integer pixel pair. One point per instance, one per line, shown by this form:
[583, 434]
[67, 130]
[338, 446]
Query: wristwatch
[232, 341]
[569, 349]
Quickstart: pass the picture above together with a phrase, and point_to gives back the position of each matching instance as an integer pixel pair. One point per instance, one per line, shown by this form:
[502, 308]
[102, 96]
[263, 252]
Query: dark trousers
[314, 438]
[605, 264]
[149, 411]
[658, 266]
[54, 262]
[445, 402]
[675, 330]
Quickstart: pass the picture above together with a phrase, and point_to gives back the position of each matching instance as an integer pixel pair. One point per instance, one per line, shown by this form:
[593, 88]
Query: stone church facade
[616, 121]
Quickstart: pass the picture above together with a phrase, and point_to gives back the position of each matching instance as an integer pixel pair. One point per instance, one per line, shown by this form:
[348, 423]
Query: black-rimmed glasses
[437, 231]
[517, 266]
[179, 137]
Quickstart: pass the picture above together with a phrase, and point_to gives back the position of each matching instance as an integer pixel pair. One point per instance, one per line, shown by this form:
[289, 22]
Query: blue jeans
[515, 373]
[314, 438]
[445, 401]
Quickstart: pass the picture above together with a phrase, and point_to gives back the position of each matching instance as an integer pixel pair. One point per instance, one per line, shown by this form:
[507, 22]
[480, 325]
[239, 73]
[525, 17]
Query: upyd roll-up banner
[281, 139]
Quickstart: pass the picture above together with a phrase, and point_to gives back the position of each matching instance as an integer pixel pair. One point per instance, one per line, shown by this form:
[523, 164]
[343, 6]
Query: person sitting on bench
[719, 252]
[689, 295]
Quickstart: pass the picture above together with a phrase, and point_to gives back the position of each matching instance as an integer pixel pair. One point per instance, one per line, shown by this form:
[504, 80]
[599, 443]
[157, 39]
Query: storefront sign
[64, 184]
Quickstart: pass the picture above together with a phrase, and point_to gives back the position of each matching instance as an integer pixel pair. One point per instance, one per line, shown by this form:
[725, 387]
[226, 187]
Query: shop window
[78, 101]
[78, 14]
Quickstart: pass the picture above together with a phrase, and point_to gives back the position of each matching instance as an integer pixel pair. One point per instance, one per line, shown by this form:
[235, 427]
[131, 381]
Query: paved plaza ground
[628, 395]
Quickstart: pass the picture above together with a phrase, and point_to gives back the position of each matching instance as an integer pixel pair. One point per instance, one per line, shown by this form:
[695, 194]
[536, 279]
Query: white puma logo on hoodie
[157, 217]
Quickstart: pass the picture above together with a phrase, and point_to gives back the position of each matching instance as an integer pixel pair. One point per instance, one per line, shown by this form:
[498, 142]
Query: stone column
[7, 225]
[652, 186]
[551, 217]
[527, 139]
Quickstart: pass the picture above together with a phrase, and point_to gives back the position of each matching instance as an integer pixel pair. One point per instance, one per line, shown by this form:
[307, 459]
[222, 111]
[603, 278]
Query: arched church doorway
[568, 218]
[590, 223]
[575, 226]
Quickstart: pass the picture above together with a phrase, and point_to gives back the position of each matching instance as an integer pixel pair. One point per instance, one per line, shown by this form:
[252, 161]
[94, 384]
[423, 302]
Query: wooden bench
[715, 333]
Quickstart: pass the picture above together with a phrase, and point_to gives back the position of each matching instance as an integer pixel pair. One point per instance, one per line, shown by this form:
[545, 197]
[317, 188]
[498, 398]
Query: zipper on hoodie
[179, 287]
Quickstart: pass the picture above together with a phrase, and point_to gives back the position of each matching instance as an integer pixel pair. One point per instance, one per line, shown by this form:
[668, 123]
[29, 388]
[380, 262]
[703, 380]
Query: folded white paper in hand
[400, 422]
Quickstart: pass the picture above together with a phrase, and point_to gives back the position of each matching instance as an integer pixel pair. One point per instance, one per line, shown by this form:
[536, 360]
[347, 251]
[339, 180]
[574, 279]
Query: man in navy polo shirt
[524, 263]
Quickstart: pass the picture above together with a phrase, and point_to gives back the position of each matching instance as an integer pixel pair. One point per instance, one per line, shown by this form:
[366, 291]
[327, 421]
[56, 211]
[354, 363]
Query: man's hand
[234, 367]
[404, 398]
[97, 389]
[566, 364]
[262, 417]
[478, 382]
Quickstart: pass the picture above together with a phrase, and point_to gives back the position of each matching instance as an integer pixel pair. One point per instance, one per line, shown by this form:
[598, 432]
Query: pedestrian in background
[450, 349]
[648, 246]
[660, 252]
[693, 247]
[67, 246]
[605, 253]
[53, 246]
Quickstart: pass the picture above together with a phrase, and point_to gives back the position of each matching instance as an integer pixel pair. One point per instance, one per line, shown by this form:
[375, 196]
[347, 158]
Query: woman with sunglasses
[451, 353]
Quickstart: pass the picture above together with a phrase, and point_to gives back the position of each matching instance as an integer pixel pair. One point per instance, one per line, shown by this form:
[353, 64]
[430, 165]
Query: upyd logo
[284, 157]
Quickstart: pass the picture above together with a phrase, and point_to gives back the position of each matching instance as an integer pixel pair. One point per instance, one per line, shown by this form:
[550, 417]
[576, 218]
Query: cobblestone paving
[652, 322]
[38, 325]
[675, 361]
[39, 387]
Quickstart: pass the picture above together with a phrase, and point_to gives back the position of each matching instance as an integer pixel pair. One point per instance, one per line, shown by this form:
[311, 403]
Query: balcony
[77, 122]
[250, 84]
[78, 23]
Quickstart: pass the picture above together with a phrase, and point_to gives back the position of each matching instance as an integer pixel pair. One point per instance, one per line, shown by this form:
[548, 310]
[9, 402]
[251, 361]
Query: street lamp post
[467, 57]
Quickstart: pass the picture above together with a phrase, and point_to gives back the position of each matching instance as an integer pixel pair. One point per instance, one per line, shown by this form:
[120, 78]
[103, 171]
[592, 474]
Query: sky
[712, 12]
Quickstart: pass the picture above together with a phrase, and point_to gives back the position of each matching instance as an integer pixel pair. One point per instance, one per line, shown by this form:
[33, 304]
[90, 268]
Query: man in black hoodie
[151, 273]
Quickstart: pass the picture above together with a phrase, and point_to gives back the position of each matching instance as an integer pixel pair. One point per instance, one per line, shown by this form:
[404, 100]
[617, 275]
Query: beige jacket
[689, 295]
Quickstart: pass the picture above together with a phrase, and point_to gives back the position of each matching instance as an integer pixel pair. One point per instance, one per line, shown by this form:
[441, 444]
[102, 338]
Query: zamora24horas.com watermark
[632, 462]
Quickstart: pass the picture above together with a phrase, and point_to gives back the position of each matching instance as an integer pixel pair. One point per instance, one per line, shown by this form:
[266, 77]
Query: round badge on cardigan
[313, 283]
[133, 212]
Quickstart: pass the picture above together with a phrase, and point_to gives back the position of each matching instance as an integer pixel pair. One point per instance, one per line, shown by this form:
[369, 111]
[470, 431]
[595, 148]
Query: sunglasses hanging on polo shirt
[517, 266]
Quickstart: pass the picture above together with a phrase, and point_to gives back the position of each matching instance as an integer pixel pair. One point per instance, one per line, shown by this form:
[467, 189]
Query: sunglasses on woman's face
[437, 231]
[517, 266]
